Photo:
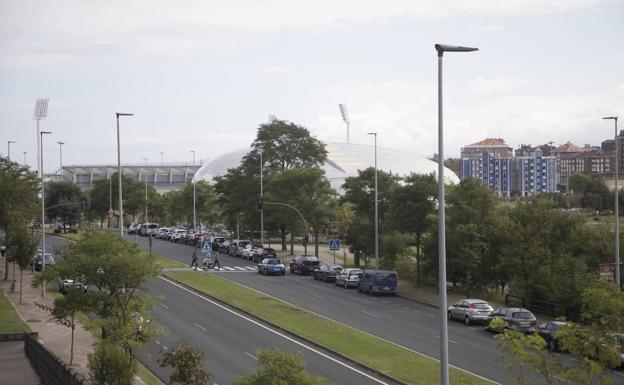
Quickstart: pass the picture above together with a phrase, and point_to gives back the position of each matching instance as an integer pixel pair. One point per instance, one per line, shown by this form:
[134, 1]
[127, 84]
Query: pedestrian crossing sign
[334, 244]
[206, 246]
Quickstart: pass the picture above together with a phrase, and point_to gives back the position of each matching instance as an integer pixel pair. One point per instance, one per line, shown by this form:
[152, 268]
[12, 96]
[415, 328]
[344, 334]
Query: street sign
[206, 246]
[334, 244]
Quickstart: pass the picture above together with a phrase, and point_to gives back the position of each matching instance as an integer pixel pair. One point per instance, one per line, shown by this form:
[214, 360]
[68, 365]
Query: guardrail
[50, 368]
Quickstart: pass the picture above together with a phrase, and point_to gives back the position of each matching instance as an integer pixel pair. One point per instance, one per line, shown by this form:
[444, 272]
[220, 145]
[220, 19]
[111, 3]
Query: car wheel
[467, 321]
[449, 315]
[345, 285]
[551, 346]
[359, 289]
[370, 291]
[266, 272]
[284, 272]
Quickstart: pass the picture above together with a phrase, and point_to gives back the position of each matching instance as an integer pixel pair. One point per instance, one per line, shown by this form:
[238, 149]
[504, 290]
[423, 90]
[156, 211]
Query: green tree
[65, 309]
[187, 363]
[21, 247]
[280, 368]
[64, 202]
[111, 365]
[18, 196]
[453, 164]
[412, 203]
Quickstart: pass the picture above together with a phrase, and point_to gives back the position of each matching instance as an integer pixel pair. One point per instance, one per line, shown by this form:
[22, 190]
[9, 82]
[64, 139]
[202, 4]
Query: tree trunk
[71, 351]
[316, 243]
[20, 295]
[292, 243]
[283, 233]
[417, 259]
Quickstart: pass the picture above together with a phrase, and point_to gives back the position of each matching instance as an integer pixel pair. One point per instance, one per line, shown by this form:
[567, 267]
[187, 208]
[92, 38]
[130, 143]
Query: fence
[543, 307]
[50, 368]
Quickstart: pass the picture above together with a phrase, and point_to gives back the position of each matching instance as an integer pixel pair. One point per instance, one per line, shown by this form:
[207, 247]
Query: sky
[203, 75]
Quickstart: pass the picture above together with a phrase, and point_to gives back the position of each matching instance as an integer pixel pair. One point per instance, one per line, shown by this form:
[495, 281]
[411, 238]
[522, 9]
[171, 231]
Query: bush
[406, 268]
[110, 365]
[57, 231]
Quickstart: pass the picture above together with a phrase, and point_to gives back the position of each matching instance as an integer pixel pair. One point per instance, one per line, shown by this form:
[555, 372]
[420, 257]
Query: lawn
[393, 360]
[10, 321]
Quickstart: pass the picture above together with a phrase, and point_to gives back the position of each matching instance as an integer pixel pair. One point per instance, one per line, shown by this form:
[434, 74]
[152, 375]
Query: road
[229, 338]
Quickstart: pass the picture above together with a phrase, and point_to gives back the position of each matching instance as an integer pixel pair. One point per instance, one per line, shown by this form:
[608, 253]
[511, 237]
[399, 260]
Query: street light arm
[305, 224]
[441, 48]
[63, 204]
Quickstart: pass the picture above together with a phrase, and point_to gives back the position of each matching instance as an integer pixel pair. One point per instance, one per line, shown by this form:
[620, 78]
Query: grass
[148, 377]
[368, 350]
[166, 263]
[10, 321]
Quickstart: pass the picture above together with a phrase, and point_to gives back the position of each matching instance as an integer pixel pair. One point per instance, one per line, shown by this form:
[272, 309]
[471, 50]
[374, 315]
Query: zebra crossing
[235, 269]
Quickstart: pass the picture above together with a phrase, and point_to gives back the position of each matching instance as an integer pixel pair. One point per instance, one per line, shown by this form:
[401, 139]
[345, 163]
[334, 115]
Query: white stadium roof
[343, 160]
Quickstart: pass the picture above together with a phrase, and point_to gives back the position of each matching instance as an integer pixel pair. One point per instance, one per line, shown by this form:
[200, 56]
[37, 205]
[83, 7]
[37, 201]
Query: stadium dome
[343, 160]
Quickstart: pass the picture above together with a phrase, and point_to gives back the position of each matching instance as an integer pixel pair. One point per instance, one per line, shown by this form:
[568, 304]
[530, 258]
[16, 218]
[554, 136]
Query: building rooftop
[490, 142]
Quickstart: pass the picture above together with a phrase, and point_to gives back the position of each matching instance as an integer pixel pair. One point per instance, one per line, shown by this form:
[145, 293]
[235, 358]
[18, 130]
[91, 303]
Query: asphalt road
[229, 339]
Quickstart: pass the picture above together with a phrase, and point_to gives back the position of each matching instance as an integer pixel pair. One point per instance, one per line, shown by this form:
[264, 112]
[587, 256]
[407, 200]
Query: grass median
[10, 321]
[390, 359]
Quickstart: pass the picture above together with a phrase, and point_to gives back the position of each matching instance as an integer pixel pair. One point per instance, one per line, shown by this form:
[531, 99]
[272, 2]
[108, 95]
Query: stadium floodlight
[41, 109]
[118, 114]
[272, 118]
[345, 118]
[444, 375]
[61, 156]
[617, 208]
[376, 207]
[9, 148]
[194, 199]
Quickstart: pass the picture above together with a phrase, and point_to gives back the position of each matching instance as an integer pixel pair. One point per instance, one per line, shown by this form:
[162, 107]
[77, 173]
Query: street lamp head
[441, 48]
[371, 133]
[611, 117]
[11, 141]
[60, 143]
[45, 132]
[123, 114]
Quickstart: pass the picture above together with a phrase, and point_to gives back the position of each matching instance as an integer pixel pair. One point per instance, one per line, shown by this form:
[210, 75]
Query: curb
[286, 331]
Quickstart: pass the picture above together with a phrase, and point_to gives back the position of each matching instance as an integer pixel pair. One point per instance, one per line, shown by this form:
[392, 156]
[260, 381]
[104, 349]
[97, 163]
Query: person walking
[2, 250]
[194, 260]
[216, 263]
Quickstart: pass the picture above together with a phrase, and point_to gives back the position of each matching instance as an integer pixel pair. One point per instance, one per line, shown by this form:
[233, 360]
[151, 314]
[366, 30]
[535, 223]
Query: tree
[65, 309]
[412, 202]
[111, 365]
[280, 368]
[453, 164]
[21, 246]
[187, 363]
[64, 202]
[18, 196]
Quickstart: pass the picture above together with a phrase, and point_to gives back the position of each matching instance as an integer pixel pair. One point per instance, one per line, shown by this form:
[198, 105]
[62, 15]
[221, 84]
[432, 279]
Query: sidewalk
[34, 310]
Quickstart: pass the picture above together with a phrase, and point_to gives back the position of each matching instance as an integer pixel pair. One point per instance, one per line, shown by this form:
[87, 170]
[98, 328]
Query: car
[548, 331]
[217, 242]
[304, 264]
[132, 228]
[271, 266]
[469, 310]
[327, 272]
[160, 232]
[225, 248]
[38, 261]
[64, 284]
[148, 229]
[515, 318]
[378, 282]
[240, 246]
[348, 278]
[248, 252]
[263, 252]
[177, 235]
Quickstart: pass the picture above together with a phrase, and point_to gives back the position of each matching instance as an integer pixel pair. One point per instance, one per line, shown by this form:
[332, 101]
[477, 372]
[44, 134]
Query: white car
[470, 310]
[248, 252]
[177, 235]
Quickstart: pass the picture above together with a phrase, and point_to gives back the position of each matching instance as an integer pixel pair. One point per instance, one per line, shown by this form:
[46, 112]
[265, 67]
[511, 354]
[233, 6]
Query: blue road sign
[206, 246]
[334, 244]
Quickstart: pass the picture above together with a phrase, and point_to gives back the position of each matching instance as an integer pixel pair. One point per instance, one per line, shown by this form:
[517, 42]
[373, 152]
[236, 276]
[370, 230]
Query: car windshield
[311, 259]
[480, 305]
[522, 315]
[388, 276]
[272, 261]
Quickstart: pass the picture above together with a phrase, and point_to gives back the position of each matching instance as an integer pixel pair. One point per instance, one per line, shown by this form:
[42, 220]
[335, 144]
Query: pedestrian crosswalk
[235, 269]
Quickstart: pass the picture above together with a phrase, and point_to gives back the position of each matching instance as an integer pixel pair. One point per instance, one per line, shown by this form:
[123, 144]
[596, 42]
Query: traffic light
[259, 204]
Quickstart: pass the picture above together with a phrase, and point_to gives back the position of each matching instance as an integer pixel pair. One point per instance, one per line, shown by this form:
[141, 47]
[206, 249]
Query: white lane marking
[251, 355]
[158, 342]
[430, 315]
[163, 305]
[371, 314]
[315, 295]
[250, 268]
[239, 268]
[449, 340]
[351, 327]
[276, 332]
[417, 311]
[228, 268]
[201, 327]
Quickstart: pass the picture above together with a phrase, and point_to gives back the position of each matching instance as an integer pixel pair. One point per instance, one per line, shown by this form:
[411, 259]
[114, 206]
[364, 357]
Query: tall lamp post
[261, 207]
[194, 200]
[61, 155]
[146, 221]
[9, 148]
[118, 114]
[41, 112]
[376, 207]
[24, 158]
[345, 118]
[43, 246]
[444, 379]
[617, 208]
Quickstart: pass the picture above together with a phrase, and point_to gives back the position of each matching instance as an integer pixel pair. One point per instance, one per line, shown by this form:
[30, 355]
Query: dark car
[224, 248]
[548, 331]
[263, 252]
[327, 273]
[515, 318]
[378, 281]
[38, 261]
[271, 266]
[304, 264]
[217, 242]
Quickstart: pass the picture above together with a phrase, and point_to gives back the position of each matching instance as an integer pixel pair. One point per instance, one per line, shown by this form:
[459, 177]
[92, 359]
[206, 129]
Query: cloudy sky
[204, 74]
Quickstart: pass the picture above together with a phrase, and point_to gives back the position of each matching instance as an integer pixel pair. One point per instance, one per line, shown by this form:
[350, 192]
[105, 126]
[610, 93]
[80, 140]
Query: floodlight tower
[43, 245]
[9, 148]
[41, 112]
[61, 156]
[345, 118]
[117, 115]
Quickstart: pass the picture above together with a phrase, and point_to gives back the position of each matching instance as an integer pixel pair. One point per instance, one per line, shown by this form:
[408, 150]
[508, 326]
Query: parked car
[378, 281]
[149, 228]
[38, 260]
[177, 235]
[161, 231]
[263, 252]
[470, 310]
[548, 331]
[248, 252]
[271, 266]
[240, 246]
[225, 248]
[64, 284]
[217, 242]
[515, 318]
[132, 228]
[348, 278]
[303, 264]
[327, 272]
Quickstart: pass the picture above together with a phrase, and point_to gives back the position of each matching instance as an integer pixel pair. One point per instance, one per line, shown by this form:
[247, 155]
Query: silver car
[470, 310]
[348, 278]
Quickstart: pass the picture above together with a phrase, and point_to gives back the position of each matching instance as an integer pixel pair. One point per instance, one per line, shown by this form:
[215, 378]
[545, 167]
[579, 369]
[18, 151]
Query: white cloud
[498, 84]
[492, 27]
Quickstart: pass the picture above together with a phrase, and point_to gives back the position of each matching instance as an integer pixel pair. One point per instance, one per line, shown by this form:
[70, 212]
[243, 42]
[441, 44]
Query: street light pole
[444, 377]
[146, 221]
[262, 208]
[161, 158]
[9, 148]
[194, 200]
[43, 246]
[376, 208]
[345, 118]
[61, 155]
[24, 158]
[118, 114]
[617, 204]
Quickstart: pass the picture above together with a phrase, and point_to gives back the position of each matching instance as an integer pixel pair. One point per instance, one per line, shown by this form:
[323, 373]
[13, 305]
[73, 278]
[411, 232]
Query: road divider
[383, 357]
